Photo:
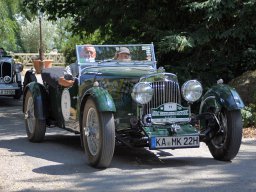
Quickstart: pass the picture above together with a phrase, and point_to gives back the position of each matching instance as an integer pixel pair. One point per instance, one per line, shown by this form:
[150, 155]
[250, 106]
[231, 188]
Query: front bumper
[8, 89]
[173, 136]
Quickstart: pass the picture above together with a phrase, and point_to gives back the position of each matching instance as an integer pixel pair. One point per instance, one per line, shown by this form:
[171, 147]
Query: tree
[9, 28]
[30, 35]
[192, 38]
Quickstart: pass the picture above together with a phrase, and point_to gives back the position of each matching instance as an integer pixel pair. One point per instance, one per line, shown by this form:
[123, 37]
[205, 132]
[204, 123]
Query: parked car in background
[10, 76]
[132, 102]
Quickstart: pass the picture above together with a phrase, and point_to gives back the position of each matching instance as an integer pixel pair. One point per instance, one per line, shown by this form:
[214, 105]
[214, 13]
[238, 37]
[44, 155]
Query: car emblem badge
[65, 104]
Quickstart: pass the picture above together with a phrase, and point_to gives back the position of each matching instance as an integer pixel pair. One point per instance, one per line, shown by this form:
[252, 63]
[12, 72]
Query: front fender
[40, 99]
[221, 96]
[103, 99]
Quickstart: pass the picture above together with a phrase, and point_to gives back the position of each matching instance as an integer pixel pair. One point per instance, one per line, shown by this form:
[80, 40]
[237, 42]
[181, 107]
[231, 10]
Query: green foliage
[69, 46]
[9, 28]
[192, 38]
[249, 115]
[30, 36]
[222, 33]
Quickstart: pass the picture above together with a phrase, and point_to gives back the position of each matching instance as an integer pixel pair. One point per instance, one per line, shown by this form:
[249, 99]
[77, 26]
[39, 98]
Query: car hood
[118, 81]
[6, 59]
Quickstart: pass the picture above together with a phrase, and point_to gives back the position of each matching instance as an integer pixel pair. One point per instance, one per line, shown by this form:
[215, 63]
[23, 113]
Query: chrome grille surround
[164, 92]
[5, 70]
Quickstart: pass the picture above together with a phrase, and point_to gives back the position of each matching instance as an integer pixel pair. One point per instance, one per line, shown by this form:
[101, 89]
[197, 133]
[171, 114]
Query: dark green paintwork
[54, 100]
[220, 96]
[103, 99]
[120, 72]
[114, 91]
[114, 94]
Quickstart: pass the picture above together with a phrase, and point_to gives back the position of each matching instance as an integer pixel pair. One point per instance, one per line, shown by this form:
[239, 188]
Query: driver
[123, 54]
[88, 55]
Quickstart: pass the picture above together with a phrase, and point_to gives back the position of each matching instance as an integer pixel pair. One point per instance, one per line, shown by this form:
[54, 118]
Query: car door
[69, 98]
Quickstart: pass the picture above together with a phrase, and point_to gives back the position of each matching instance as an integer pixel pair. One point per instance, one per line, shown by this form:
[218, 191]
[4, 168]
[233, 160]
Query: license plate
[174, 142]
[7, 92]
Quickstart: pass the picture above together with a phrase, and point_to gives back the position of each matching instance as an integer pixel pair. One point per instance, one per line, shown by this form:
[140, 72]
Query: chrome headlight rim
[7, 79]
[142, 92]
[192, 90]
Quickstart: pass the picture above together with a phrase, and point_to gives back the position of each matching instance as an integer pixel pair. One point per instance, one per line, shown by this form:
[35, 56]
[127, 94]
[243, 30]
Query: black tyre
[98, 132]
[226, 139]
[35, 127]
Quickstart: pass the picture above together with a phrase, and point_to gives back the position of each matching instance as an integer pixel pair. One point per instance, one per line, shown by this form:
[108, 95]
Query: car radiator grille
[5, 69]
[164, 92]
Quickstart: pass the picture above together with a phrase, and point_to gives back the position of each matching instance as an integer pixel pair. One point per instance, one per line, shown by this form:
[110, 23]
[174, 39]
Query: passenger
[123, 54]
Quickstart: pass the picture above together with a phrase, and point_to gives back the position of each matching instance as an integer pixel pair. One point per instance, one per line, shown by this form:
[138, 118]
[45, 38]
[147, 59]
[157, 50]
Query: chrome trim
[147, 120]
[164, 92]
[164, 75]
[5, 70]
[7, 79]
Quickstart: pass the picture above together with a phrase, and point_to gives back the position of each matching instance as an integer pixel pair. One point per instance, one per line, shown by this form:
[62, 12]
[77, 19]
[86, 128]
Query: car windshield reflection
[142, 54]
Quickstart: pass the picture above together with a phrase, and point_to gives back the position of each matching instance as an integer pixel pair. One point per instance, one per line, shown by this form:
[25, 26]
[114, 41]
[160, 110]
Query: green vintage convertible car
[132, 102]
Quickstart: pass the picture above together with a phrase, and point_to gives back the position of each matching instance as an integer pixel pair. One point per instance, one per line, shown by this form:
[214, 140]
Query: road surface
[58, 164]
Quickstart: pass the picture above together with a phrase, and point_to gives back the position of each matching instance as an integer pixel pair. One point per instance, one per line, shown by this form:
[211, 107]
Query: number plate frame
[174, 142]
[7, 91]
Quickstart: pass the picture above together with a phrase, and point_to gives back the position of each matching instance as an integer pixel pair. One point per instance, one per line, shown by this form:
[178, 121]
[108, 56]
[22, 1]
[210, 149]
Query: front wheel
[29, 77]
[226, 138]
[35, 127]
[98, 133]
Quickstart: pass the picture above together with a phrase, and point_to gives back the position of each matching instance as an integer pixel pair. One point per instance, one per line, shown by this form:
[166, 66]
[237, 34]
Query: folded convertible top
[52, 75]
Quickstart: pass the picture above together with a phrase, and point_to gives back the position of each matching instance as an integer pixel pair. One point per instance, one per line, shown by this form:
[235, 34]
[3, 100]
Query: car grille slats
[5, 70]
[164, 92]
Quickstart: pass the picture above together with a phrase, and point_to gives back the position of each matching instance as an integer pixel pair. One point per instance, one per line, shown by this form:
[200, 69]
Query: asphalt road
[58, 164]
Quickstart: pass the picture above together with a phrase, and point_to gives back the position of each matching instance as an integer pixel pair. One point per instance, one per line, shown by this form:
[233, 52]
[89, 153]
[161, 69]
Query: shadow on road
[64, 148]
[68, 156]
[130, 167]
[10, 102]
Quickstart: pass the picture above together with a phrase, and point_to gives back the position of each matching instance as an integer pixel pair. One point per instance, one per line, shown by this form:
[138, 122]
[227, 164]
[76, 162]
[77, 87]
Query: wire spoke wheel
[93, 131]
[29, 115]
[98, 135]
[220, 137]
[35, 127]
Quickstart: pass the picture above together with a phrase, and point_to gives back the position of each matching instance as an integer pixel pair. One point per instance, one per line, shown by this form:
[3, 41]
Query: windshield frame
[146, 49]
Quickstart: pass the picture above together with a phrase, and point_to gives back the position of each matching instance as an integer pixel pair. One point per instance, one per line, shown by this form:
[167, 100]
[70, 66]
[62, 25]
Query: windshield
[108, 55]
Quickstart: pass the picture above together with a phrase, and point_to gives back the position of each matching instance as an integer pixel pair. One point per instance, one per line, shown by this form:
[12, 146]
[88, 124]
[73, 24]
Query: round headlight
[18, 67]
[192, 90]
[7, 79]
[142, 92]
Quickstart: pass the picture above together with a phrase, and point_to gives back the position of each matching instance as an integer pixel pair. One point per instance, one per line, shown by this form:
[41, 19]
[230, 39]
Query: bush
[249, 115]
